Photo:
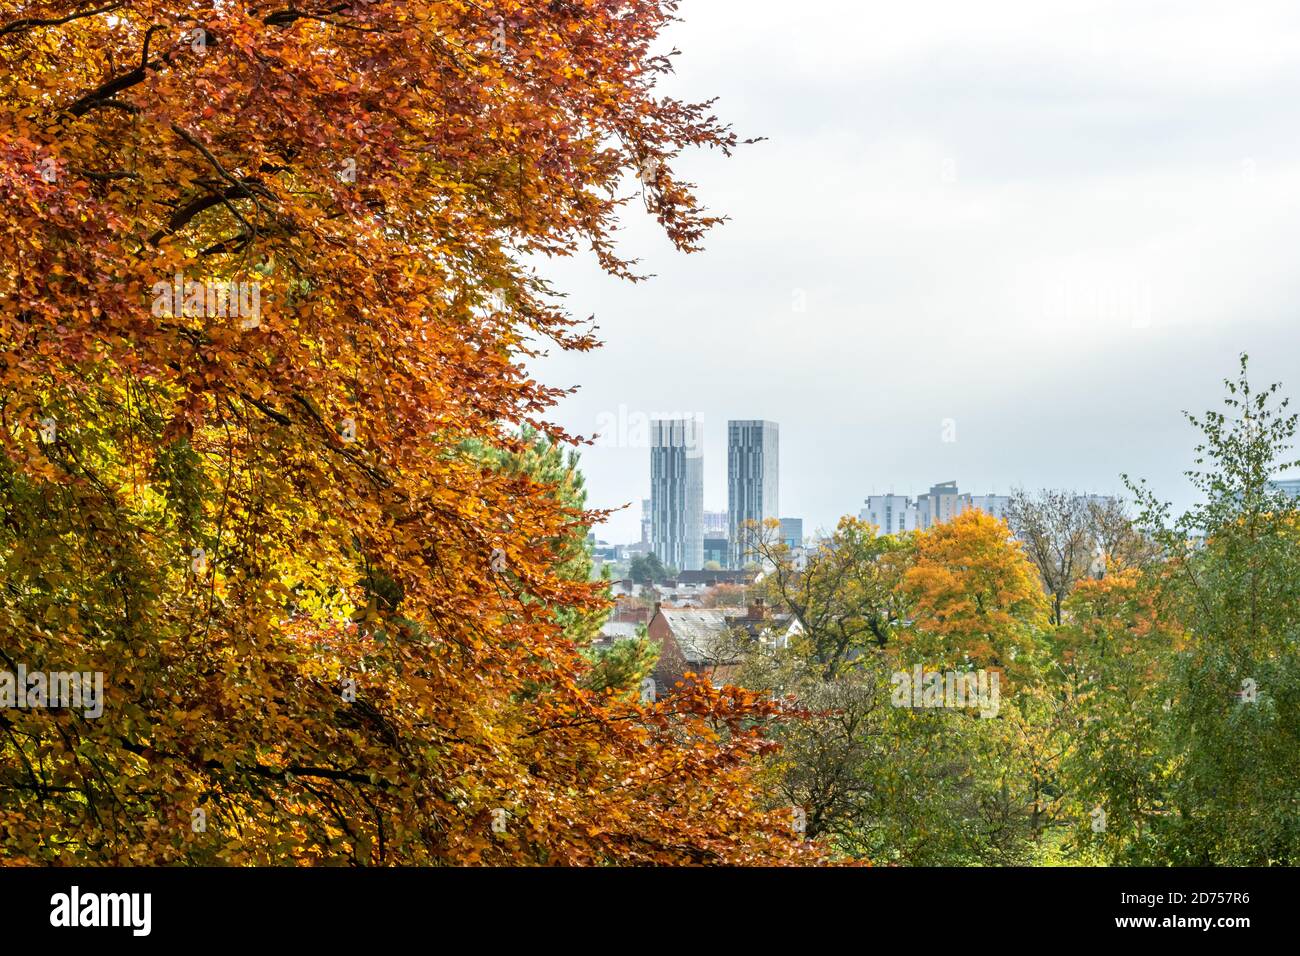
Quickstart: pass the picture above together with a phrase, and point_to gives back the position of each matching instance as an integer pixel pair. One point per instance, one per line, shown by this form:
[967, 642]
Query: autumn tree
[1055, 528]
[728, 595]
[843, 605]
[1114, 657]
[549, 466]
[845, 596]
[1070, 537]
[621, 666]
[975, 595]
[1117, 540]
[828, 764]
[265, 311]
[876, 778]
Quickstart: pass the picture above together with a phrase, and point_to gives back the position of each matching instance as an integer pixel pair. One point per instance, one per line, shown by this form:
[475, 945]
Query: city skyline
[714, 521]
[890, 513]
[1050, 235]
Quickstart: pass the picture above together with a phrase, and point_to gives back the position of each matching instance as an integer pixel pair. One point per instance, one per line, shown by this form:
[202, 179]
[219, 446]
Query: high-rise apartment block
[677, 492]
[943, 503]
[892, 514]
[753, 456]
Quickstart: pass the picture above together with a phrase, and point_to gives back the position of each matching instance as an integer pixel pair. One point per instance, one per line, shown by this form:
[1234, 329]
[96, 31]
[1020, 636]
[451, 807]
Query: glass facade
[677, 492]
[753, 455]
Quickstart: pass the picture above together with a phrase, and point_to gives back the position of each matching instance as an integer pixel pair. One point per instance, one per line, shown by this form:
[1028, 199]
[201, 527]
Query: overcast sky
[1040, 228]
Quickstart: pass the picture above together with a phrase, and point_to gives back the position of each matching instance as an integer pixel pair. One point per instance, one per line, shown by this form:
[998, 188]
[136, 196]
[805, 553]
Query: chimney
[757, 610]
[658, 605]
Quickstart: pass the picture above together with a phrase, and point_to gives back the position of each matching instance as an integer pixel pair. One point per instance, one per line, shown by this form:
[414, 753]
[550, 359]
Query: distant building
[603, 550]
[677, 492]
[891, 514]
[995, 506]
[711, 578]
[630, 610]
[715, 524]
[792, 532]
[691, 640]
[612, 631]
[799, 557]
[753, 475]
[1289, 485]
[647, 522]
[716, 549]
[940, 505]
[709, 642]
[624, 587]
[626, 552]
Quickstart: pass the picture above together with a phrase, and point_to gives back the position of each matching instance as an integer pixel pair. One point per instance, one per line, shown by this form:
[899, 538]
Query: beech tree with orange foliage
[263, 305]
[975, 595]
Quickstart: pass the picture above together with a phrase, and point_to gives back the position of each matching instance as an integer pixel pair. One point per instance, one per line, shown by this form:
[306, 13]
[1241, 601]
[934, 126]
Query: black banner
[341, 906]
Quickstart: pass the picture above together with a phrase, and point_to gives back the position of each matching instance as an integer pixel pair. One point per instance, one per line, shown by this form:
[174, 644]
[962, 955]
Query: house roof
[618, 630]
[700, 632]
[715, 577]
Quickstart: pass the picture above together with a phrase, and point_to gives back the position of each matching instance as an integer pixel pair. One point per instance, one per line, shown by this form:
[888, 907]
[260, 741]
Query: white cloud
[1054, 223]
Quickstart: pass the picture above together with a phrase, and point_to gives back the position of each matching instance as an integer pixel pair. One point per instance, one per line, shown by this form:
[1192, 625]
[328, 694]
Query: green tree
[875, 779]
[1231, 733]
[648, 569]
[622, 666]
[846, 597]
[545, 467]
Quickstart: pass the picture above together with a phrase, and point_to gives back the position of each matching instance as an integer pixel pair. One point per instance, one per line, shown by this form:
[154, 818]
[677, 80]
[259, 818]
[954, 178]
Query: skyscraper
[677, 492]
[753, 453]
